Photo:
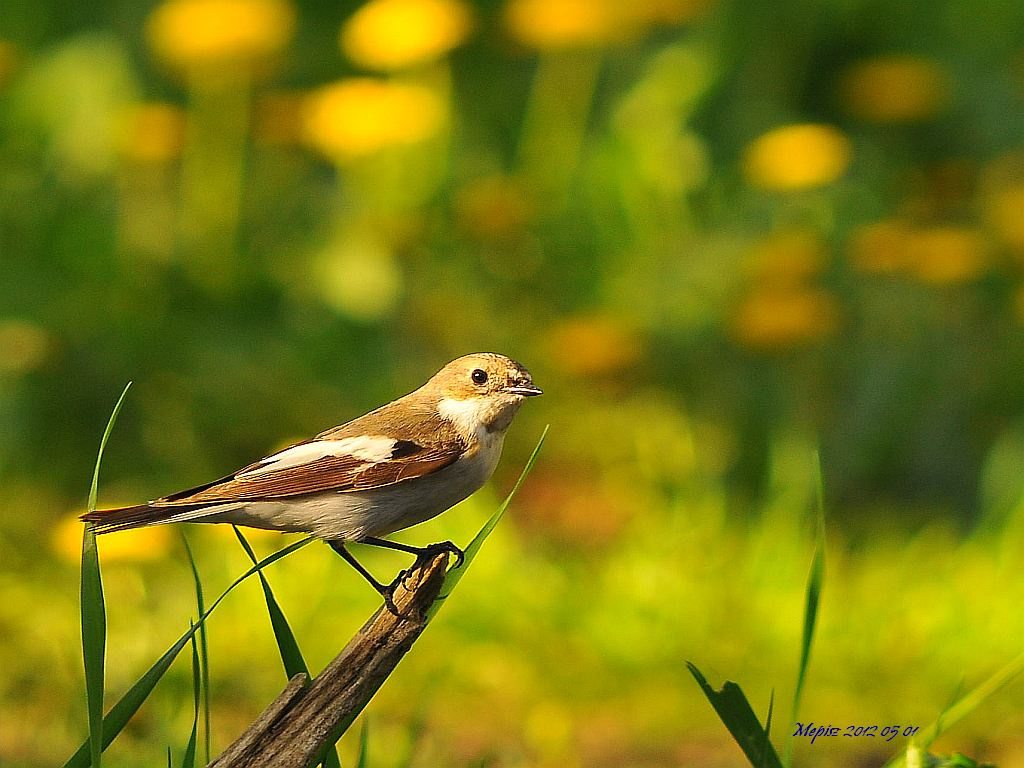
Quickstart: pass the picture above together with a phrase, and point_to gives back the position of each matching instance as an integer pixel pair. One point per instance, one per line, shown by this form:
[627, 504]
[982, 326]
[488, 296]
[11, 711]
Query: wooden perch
[293, 731]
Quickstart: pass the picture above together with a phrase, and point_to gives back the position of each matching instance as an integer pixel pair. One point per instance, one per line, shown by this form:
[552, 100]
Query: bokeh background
[722, 234]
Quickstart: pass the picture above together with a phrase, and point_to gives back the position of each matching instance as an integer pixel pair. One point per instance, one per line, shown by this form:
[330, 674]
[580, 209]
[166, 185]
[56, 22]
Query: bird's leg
[422, 553]
[387, 592]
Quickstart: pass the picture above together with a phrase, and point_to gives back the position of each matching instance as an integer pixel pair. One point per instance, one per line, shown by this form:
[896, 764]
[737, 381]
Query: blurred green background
[720, 234]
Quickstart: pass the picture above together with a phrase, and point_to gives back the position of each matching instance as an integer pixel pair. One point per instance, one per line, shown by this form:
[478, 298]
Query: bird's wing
[346, 464]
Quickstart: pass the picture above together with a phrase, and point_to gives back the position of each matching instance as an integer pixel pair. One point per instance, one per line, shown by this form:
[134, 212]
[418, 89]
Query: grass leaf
[363, 761]
[287, 646]
[94, 615]
[189, 759]
[814, 585]
[204, 653]
[736, 713]
[963, 707]
[767, 744]
[455, 575]
[129, 704]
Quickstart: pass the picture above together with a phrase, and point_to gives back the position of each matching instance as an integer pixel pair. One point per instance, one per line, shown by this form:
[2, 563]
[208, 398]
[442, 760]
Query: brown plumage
[402, 441]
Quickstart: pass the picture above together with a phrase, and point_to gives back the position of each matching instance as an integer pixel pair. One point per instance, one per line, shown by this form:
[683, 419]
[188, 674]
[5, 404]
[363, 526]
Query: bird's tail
[110, 520]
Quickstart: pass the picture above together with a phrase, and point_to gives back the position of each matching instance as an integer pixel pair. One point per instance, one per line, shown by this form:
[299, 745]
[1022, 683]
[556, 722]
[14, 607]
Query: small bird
[401, 464]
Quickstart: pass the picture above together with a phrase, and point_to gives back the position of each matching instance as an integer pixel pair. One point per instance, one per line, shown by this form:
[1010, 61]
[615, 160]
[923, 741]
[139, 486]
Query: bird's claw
[442, 546]
[388, 593]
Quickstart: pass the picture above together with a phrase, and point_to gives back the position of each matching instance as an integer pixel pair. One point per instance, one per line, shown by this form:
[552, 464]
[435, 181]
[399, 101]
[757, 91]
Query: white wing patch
[368, 448]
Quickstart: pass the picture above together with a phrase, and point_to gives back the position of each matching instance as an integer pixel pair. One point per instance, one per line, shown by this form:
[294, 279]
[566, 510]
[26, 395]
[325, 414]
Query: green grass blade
[363, 761]
[766, 744]
[189, 759]
[455, 575]
[814, 585]
[963, 707]
[204, 652]
[287, 645]
[94, 638]
[736, 713]
[93, 490]
[94, 615]
[129, 704]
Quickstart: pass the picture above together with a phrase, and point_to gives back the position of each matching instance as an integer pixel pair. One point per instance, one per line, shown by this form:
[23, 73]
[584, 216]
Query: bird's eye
[478, 376]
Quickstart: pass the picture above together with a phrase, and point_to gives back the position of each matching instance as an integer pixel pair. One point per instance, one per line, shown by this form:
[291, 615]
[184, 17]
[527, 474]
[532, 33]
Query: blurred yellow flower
[23, 346]
[572, 503]
[948, 254]
[358, 275]
[393, 34]
[590, 346]
[549, 728]
[557, 24]
[895, 89]
[668, 11]
[1002, 198]
[797, 157]
[8, 60]
[360, 116]
[1005, 212]
[493, 208]
[203, 33]
[881, 247]
[152, 133]
[941, 254]
[789, 256]
[135, 545]
[565, 23]
[778, 317]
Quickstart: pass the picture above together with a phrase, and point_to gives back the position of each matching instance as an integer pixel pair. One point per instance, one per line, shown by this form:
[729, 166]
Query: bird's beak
[526, 390]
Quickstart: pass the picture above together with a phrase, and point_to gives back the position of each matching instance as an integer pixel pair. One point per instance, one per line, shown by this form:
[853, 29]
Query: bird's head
[481, 391]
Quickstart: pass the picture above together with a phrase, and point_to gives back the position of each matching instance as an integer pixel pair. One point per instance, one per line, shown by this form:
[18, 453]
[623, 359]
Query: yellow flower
[493, 208]
[565, 23]
[558, 24]
[1006, 215]
[133, 545]
[776, 317]
[948, 254]
[589, 346]
[8, 61]
[1002, 199]
[360, 116]
[204, 33]
[668, 11]
[937, 254]
[797, 157]
[787, 257]
[393, 34]
[152, 133]
[357, 274]
[895, 89]
[881, 247]
[23, 346]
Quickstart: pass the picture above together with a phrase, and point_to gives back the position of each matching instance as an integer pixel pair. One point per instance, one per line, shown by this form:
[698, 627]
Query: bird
[394, 467]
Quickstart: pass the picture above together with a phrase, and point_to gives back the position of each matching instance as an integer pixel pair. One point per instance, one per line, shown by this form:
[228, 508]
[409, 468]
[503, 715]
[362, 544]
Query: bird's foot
[429, 551]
